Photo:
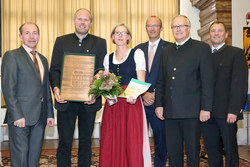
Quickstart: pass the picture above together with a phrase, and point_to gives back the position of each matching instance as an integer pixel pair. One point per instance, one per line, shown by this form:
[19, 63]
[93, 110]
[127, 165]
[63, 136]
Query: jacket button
[173, 77]
[174, 69]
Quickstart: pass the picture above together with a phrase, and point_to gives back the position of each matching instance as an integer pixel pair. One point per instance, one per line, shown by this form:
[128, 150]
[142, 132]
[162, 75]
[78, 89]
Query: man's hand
[204, 115]
[159, 113]
[50, 122]
[56, 91]
[20, 123]
[148, 98]
[130, 100]
[231, 118]
[91, 101]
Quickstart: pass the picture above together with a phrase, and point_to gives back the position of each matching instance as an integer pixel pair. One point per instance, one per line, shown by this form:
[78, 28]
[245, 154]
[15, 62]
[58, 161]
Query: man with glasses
[67, 112]
[152, 50]
[184, 92]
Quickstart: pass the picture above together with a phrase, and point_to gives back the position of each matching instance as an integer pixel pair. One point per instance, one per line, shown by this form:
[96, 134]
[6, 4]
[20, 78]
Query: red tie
[36, 63]
[150, 56]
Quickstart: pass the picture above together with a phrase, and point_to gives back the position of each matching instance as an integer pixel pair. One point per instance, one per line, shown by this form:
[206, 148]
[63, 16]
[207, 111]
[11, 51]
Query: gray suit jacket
[24, 94]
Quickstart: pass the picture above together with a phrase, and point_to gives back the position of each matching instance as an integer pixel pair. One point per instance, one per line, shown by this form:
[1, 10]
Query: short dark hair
[218, 22]
[21, 27]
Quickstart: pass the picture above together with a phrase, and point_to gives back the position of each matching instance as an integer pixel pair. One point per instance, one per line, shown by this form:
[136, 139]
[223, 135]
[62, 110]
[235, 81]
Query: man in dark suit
[184, 92]
[154, 28]
[67, 112]
[230, 92]
[26, 90]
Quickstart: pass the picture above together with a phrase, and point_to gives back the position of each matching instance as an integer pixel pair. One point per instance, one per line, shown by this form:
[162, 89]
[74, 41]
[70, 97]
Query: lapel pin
[87, 50]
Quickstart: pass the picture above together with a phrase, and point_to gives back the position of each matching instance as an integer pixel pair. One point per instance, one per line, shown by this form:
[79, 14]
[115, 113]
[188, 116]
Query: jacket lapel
[88, 44]
[30, 62]
[157, 54]
[44, 63]
[218, 59]
[145, 50]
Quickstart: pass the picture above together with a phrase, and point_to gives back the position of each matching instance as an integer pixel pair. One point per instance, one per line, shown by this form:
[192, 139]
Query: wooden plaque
[77, 73]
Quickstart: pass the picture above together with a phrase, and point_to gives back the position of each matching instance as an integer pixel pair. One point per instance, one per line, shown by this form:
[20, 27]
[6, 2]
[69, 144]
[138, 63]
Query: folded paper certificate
[135, 88]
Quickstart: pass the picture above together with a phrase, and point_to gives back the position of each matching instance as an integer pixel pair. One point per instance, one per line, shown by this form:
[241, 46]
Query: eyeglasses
[152, 25]
[121, 33]
[179, 26]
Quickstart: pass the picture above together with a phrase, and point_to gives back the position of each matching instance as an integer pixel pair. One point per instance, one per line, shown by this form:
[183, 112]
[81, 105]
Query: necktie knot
[215, 50]
[152, 45]
[33, 53]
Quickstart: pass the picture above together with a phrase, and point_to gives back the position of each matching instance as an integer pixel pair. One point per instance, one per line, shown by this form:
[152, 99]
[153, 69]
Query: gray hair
[187, 19]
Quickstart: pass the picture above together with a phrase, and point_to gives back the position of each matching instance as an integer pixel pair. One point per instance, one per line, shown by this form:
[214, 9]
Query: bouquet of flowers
[106, 84]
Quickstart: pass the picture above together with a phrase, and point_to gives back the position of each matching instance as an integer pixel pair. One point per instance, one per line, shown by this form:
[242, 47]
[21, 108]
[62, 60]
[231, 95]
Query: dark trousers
[26, 144]
[158, 128]
[66, 126]
[179, 132]
[215, 129]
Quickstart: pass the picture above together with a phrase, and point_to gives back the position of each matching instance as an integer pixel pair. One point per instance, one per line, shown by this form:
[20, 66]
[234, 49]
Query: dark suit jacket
[185, 80]
[151, 77]
[231, 82]
[70, 43]
[24, 94]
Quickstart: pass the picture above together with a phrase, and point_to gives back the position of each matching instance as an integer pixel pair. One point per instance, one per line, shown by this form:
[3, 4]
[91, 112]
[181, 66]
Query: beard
[81, 32]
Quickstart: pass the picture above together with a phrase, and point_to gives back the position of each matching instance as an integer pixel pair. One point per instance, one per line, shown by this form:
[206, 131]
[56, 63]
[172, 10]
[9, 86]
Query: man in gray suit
[25, 85]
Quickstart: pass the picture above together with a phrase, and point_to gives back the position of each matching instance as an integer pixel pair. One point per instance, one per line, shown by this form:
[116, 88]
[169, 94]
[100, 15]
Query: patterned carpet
[48, 159]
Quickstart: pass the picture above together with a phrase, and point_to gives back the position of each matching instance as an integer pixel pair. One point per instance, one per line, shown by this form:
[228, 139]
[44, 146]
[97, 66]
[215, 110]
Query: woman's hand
[130, 100]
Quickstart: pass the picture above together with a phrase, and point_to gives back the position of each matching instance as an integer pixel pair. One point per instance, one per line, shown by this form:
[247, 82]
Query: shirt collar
[183, 41]
[220, 46]
[80, 39]
[27, 49]
[156, 43]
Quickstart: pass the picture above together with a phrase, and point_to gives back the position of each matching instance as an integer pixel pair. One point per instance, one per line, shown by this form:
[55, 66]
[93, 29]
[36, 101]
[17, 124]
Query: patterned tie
[36, 63]
[150, 56]
[215, 50]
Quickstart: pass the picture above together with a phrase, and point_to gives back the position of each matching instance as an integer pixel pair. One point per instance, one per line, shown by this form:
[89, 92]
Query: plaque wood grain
[77, 75]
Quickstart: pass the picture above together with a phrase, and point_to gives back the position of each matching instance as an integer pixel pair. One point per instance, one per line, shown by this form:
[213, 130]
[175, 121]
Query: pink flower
[104, 74]
[97, 76]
